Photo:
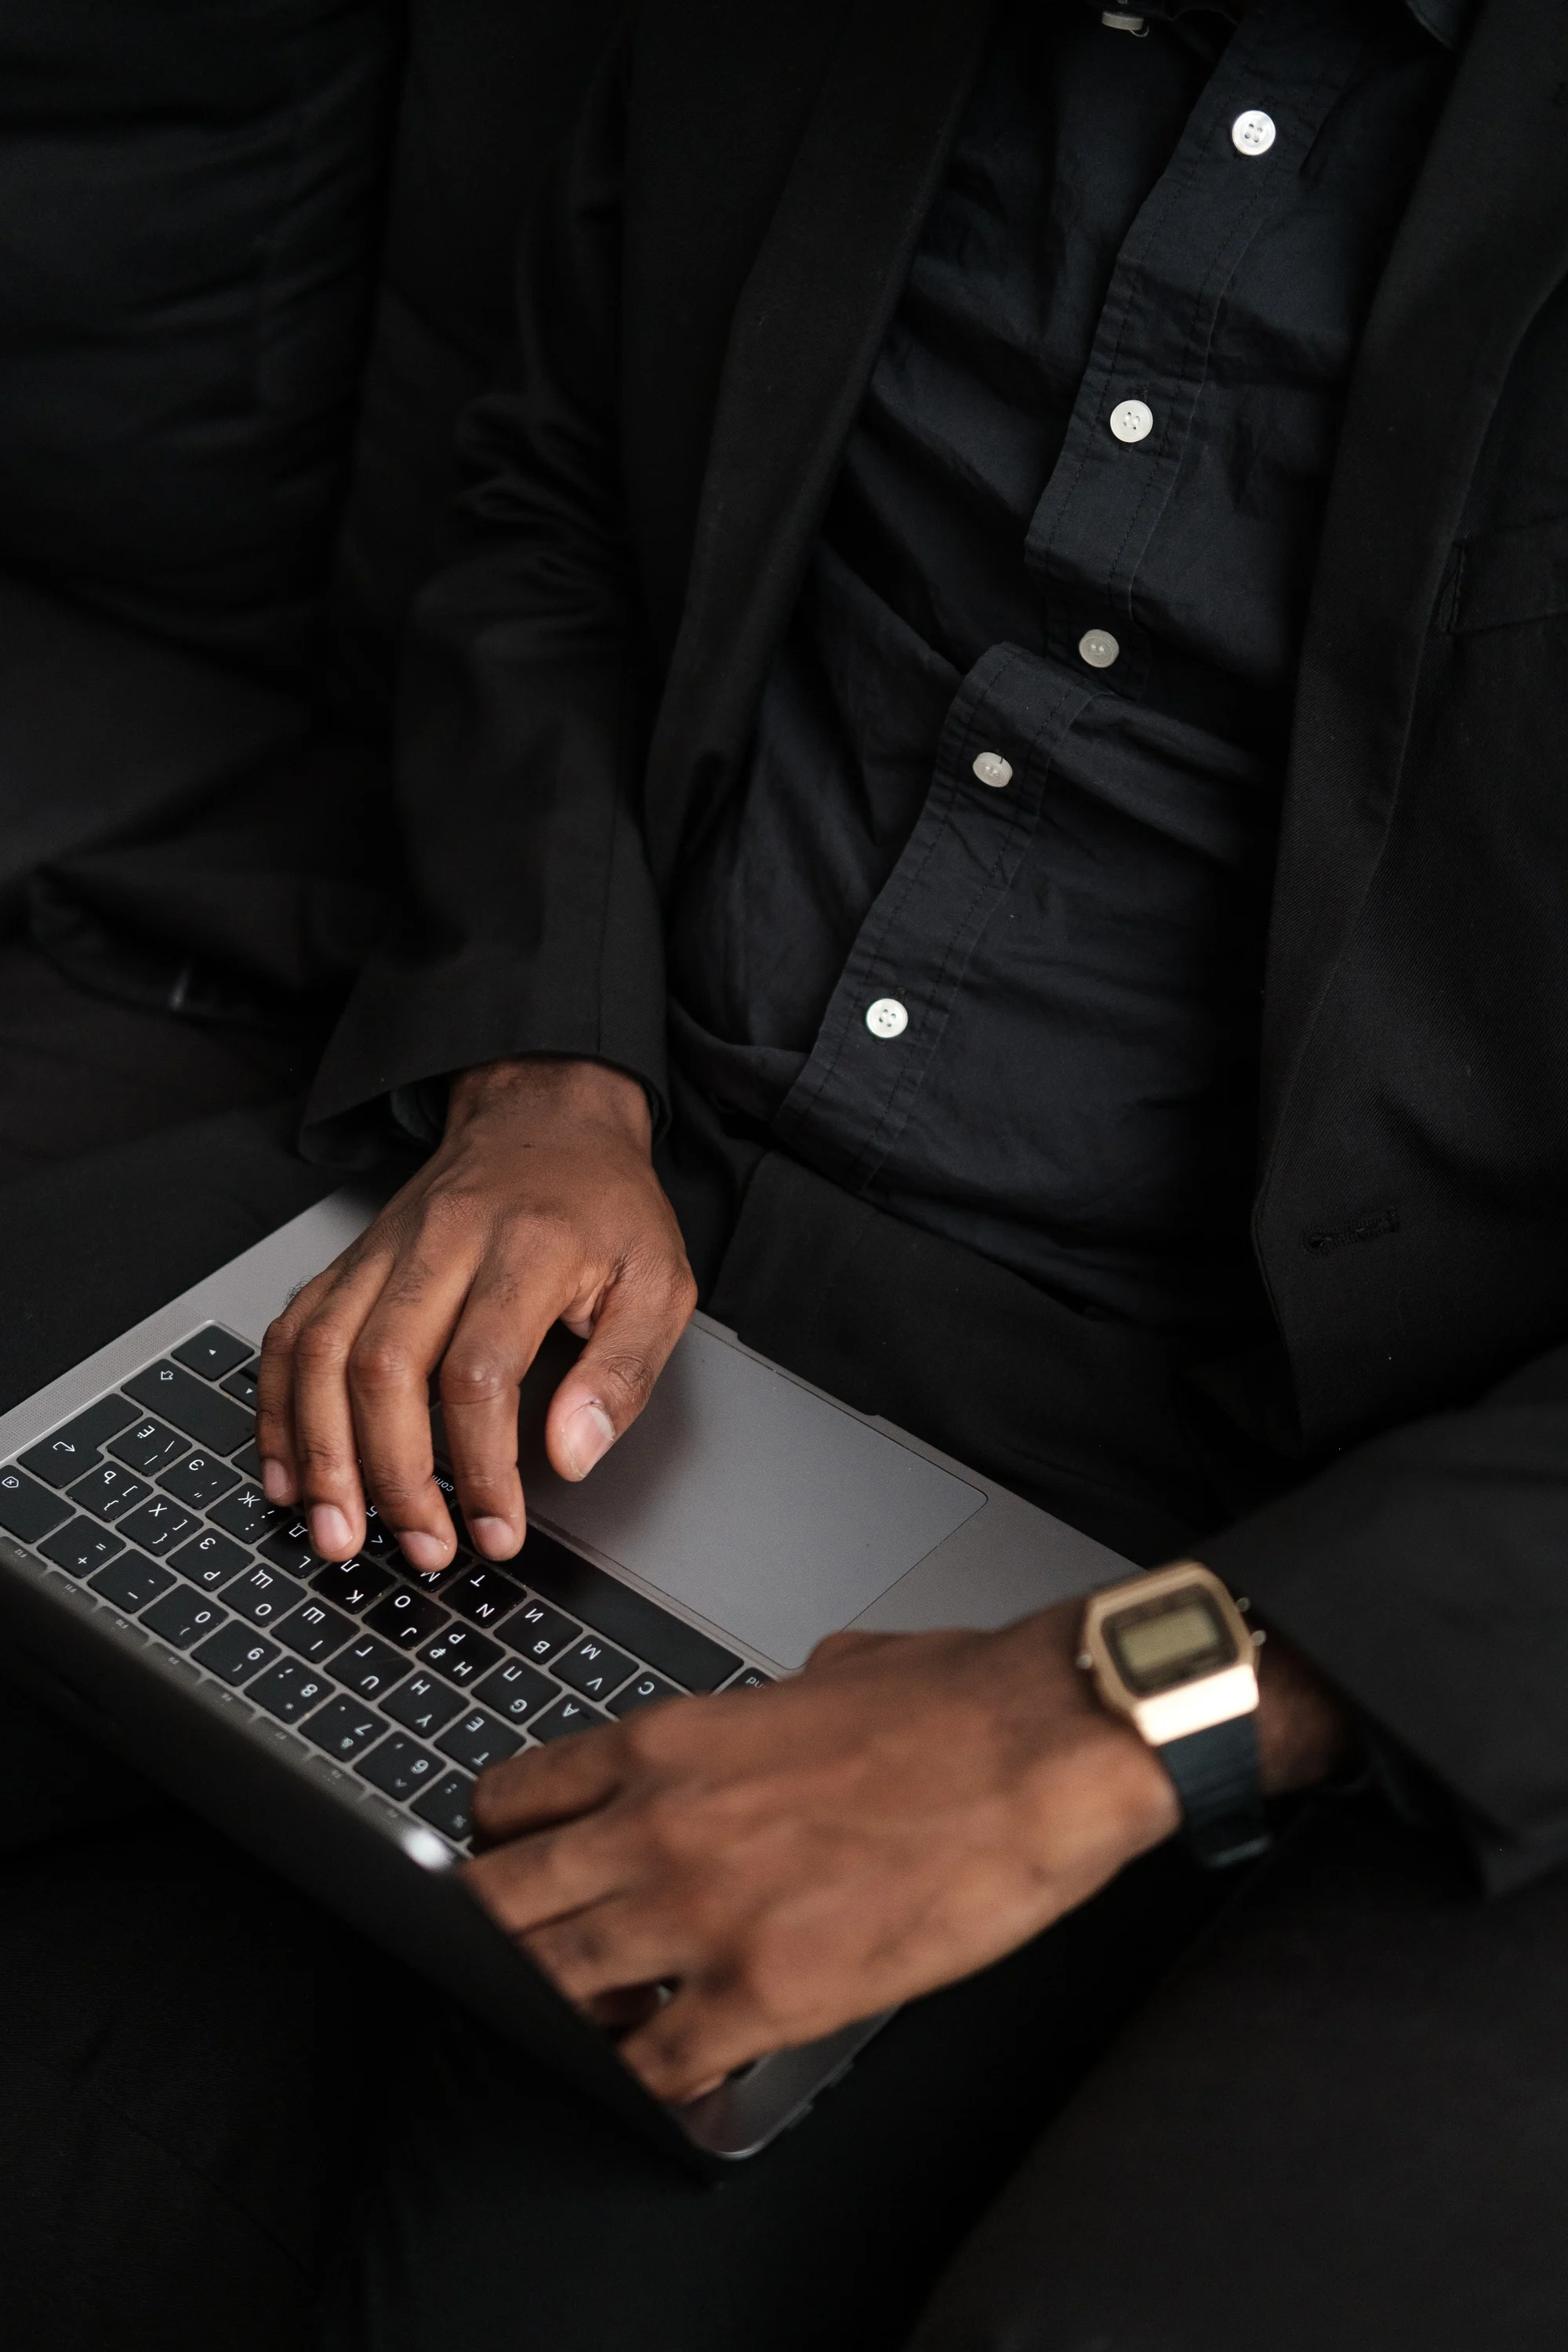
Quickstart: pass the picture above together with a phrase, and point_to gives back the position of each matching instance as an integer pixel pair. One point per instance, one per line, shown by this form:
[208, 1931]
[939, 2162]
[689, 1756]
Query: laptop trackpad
[769, 1512]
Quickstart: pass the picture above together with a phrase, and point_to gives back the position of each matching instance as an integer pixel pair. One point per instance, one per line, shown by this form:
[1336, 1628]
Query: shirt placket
[886, 1016]
[886, 1021]
[1236, 170]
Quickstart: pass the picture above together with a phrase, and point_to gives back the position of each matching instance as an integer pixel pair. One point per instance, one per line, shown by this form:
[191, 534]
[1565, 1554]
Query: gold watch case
[1217, 1694]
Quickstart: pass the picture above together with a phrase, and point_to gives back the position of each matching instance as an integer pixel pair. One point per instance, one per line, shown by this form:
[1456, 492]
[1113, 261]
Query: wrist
[554, 1086]
[1176, 1658]
[1172, 1653]
[1081, 1764]
[1306, 1734]
[1138, 1787]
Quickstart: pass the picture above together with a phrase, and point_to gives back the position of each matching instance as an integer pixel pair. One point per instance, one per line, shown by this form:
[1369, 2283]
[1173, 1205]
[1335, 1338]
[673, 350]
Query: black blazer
[700, 308]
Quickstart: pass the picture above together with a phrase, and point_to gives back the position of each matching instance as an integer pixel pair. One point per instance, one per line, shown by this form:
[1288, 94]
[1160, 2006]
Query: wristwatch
[1172, 1653]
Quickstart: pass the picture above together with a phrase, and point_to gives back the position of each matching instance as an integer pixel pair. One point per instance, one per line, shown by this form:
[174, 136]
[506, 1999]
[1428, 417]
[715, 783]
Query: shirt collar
[1444, 19]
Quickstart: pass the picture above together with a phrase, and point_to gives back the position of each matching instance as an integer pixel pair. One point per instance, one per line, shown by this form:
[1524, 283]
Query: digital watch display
[1168, 1642]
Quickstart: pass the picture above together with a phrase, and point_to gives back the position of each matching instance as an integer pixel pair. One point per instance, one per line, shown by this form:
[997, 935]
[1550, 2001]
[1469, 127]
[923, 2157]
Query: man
[853, 768]
[972, 928]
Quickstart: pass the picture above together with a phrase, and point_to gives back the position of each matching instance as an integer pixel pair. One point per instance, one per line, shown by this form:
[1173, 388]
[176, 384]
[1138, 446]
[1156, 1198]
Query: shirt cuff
[419, 1111]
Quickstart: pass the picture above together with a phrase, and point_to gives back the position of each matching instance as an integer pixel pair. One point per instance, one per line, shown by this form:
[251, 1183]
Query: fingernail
[587, 1437]
[330, 1531]
[274, 1481]
[422, 1551]
[497, 1539]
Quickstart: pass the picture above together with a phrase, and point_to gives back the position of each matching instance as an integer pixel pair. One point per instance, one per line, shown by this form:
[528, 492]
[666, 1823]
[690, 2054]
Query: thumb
[644, 1313]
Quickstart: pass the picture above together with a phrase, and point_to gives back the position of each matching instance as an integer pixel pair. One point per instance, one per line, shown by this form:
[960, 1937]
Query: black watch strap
[1217, 1779]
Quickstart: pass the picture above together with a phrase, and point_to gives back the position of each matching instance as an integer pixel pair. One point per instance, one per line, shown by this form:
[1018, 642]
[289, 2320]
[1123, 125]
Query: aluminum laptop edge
[329, 1720]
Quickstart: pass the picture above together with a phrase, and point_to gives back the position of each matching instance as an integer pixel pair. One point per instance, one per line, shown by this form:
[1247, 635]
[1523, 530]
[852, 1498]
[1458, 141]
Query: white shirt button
[1253, 133]
[1099, 648]
[887, 1018]
[994, 770]
[1132, 421]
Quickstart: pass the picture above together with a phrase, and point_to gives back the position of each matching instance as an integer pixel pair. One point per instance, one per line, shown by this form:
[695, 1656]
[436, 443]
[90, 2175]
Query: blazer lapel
[806, 332]
[1483, 244]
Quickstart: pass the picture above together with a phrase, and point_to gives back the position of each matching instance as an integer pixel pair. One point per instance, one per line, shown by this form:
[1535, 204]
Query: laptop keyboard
[397, 1688]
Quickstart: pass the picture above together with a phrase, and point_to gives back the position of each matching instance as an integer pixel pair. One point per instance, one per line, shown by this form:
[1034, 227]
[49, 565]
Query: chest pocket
[1501, 577]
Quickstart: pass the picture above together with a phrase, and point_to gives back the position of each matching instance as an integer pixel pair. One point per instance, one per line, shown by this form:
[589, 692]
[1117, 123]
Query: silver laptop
[333, 1718]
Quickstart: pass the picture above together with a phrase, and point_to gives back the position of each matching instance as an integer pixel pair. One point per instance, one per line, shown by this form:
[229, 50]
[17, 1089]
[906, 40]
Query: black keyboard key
[68, 1452]
[148, 1446]
[750, 1678]
[247, 1515]
[199, 1480]
[282, 1741]
[594, 1668]
[540, 1632]
[183, 1617]
[379, 1543]
[122, 1625]
[567, 1715]
[159, 1525]
[241, 1387]
[643, 1690]
[461, 1654]
[290, 1690]
[247, 1462]
[478, 1740]
[406, 1617]
[435, 1579]
[336, 1777]
[80, 1546]
[263, 1596]
[290, 1550]
[613, 1609]
[449, 1486]
[351, 1583]
[446, 1806]
[109, 1491]
[65, 1591]
[399, 1768]
[213, 1352]
[170, 1662]
[369, 1667]
[238, 1710]
[213, 1420]
[483, 1595]
[236, 1653]
[314, 1630]
[423, 1704]
[131, 1581]
[209, 1559]
[26, 1509]
[517, 1690]
[343, 1728]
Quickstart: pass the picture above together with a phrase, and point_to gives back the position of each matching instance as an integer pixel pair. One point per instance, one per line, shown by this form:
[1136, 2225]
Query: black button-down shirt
[981, 936]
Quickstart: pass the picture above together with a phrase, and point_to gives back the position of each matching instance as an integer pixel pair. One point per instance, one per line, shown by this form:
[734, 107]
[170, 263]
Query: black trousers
[1330, 2105]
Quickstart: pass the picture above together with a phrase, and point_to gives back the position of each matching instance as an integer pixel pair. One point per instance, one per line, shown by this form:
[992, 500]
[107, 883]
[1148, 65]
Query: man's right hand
[541, 1205]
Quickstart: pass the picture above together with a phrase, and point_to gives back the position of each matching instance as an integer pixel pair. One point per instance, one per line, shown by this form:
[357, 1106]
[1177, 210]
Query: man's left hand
[908, 1809]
